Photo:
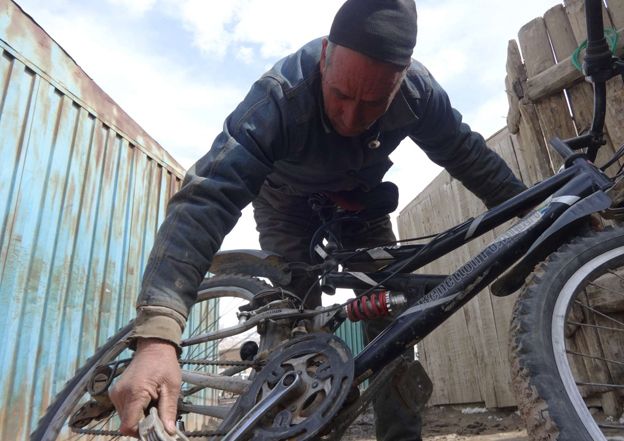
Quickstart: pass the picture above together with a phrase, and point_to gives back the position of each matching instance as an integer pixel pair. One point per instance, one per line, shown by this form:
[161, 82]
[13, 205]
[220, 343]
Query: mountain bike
[294, 379]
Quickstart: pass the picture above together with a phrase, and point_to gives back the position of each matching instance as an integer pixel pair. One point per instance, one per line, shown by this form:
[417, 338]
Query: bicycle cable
[435, 237]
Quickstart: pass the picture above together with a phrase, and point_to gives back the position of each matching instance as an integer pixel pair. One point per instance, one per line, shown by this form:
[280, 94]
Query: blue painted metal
[82, 191]
[352, 334]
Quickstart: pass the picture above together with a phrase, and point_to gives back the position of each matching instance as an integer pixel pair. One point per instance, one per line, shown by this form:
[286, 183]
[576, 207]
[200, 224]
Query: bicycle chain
[194, 434]
[250, 364]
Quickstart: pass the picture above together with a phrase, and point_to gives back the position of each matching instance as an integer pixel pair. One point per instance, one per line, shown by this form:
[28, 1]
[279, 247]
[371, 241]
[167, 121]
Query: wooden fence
[467, 358]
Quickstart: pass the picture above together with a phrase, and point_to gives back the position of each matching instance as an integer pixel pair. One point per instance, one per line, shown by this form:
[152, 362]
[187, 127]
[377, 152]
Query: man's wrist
[148, 344]
[159, 324]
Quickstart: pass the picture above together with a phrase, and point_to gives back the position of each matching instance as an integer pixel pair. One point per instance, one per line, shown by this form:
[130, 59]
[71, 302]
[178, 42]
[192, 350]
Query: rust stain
[26, 34]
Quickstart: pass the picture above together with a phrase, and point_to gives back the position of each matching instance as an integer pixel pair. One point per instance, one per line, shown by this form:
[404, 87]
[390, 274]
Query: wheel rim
[576, 284]
[73, 401]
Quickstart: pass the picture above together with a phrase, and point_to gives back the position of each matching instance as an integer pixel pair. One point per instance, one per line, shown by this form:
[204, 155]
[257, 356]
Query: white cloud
[276, 26]
[136, 7]
[245, 54]
[281, 26]
[208, 21]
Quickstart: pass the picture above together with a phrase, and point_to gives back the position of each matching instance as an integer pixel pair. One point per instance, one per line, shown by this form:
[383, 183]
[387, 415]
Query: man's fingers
[130, 407]
[131, 414]
[167, 408]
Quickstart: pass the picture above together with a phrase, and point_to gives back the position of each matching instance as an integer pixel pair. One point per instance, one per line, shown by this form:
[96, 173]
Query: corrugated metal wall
[352, 334]
[82, 191]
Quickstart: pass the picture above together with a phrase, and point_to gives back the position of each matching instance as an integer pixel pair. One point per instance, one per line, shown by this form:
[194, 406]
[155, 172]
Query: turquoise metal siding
[352, 334]
[82, 192]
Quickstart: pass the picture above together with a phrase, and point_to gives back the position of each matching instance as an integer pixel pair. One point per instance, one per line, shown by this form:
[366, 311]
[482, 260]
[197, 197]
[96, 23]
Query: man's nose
[351, 116]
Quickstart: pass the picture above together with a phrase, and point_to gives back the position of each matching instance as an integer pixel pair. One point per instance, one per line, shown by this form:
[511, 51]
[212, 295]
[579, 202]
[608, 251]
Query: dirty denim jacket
[279, 136]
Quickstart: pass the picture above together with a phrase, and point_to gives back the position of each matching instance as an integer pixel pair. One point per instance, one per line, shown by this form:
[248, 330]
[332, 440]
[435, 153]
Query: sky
[179, 67]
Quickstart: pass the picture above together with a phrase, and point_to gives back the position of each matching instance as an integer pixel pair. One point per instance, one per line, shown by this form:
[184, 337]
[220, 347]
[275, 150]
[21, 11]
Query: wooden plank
[612, 349]
[605, 294]
[456, 339]
[445, 350]
[477, 337]
[588, 342]
[614, 120]
[616, 12]
[514, 116]
[580, 96]
[479, 316]
[561, 75]
[576, 13]
[552, 111]
[530, 149]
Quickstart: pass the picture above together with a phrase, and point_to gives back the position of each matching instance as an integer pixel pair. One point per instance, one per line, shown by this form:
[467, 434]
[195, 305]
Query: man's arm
[463, 153]
[206, 208]
[209, 204]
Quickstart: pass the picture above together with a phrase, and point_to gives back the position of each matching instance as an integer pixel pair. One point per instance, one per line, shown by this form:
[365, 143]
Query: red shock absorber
[377, 304]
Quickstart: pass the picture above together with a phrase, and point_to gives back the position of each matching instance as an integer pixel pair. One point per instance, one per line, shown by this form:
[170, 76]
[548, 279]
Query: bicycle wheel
[567, 342]
[219, 357]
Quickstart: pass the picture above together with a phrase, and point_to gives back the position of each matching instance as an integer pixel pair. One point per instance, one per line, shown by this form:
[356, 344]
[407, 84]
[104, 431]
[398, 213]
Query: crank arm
[290, 383]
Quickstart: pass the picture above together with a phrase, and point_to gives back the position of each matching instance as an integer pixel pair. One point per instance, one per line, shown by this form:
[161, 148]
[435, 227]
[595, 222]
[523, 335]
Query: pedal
[151, 428]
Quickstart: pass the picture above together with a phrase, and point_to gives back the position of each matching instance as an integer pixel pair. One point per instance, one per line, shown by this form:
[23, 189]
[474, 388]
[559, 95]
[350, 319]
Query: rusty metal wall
[82, 191]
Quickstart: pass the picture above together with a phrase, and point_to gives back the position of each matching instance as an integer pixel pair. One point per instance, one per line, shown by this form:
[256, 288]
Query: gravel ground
[454, 423]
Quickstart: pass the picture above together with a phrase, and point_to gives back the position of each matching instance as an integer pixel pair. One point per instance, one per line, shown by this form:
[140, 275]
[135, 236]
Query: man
[324, 119]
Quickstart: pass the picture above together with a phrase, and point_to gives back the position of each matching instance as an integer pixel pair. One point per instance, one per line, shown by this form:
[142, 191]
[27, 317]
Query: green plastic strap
[612, 38]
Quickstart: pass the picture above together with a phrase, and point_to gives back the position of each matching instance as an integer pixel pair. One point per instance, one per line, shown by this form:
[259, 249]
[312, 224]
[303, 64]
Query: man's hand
[153, 374]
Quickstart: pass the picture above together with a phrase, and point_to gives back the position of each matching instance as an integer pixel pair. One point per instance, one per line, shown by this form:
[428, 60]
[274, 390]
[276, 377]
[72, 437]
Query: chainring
[324, 363]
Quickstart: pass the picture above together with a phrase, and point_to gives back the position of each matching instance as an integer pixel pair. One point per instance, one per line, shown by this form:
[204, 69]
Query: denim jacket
[279, 136]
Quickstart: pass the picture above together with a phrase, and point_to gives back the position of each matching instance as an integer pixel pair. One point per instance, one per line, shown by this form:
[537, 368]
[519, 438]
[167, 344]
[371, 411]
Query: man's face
[357, 89]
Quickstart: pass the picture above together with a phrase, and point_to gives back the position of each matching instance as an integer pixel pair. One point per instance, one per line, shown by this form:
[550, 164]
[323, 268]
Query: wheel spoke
[598, 312]
[601, 385]
[606, 288]
[611, 426]
[616, 275]
[587, 325]
[595, 357]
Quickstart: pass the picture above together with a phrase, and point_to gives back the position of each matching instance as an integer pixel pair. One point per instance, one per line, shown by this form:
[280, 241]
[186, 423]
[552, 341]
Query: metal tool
[151, 428]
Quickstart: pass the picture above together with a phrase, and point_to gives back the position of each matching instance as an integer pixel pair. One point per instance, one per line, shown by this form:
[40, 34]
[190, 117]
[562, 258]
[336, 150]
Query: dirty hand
[153, 374]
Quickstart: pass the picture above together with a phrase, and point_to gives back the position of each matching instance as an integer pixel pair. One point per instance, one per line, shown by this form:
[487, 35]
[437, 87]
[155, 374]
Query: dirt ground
[455, 423]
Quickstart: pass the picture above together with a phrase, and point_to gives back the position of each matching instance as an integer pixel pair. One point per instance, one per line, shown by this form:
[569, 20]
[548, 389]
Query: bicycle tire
[64, 403]
[549, 316]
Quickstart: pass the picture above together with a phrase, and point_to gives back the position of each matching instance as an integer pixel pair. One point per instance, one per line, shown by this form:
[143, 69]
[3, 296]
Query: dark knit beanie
[381, 29]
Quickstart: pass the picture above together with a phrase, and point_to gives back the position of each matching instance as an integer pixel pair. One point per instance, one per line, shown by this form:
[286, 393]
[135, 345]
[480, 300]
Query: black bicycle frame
[579, 181]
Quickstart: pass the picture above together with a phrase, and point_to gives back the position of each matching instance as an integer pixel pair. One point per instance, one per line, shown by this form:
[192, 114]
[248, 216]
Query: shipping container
[82, 191]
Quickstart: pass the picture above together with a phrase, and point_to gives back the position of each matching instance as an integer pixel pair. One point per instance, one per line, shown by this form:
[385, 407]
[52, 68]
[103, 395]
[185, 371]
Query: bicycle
[301, 382]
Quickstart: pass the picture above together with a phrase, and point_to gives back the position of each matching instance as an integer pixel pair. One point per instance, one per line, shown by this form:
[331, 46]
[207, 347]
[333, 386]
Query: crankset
[300, 389]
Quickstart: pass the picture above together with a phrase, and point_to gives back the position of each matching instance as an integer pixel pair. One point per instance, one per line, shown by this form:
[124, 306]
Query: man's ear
[323, 54]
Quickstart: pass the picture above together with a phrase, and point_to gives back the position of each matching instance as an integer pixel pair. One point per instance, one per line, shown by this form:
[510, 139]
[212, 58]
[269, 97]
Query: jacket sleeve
[450, 143]
[207, 207]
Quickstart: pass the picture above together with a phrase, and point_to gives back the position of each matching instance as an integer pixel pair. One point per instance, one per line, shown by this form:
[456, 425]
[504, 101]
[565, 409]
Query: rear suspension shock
[375, 305]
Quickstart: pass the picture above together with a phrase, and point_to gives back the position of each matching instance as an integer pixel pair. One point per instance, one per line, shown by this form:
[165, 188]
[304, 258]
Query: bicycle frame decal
[460, 276]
